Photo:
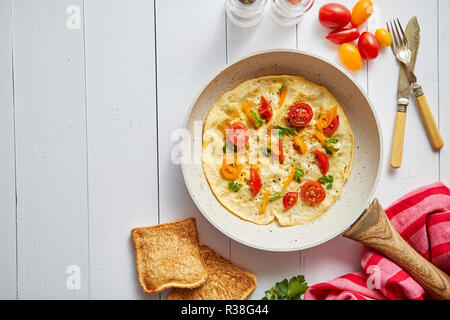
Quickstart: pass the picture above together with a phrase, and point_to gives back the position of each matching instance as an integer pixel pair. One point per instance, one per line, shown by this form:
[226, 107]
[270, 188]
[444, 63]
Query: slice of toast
[168, 255]
[225, 281]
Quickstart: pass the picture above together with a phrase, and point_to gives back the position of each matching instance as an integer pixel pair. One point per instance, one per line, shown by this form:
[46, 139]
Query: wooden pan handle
[397, 141]
[374, 229]
[430, 125]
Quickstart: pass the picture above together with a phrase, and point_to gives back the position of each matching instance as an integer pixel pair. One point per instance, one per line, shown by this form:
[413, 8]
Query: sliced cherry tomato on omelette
[238, 134]
[322, 161]
[368, 46]
[328, 131]
[231, 170]
[343, 35]
[255, 182]
[350, 57]
[280, 154]
[265, 110]
[290, 199]
[334, 16]
[361, 11]
[313, 192]
[300, 115]
[326, 118]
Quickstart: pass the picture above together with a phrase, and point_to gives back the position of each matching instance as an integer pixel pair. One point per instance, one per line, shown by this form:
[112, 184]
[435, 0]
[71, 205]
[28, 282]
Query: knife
[412, 33]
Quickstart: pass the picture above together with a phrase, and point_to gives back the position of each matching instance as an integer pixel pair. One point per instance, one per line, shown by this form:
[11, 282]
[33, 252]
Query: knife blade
[412, 32]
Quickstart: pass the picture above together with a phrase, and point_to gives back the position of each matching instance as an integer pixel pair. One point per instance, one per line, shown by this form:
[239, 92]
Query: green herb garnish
[328, 180]
[258, 121]
[275, 197]
[287, 290]
[299, 173]
[235, 186]
[329, 148]
[230, 146]
[283, 86]
[266, 150]
[287, 130]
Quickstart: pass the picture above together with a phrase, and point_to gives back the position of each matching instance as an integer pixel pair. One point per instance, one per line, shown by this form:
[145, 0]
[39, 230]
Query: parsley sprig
[266, 150]
[328, 181]
[287, 290]
[298, 174]
[329, 148]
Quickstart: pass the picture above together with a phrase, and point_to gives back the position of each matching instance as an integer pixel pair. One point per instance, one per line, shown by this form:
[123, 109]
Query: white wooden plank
[269, 267]
[7, 160]
[264, 36]
[51, 151]
[122, 139]
[339, 255]
[420, 162]
[444, 85]
[190, 50]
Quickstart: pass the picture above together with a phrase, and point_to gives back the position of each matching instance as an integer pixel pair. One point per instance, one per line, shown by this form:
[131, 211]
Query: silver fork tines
[400, 46]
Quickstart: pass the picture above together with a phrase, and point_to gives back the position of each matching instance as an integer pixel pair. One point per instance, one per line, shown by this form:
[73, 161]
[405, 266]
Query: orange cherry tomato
[384, 37]
[362, 10]
[350, 57]
[230, 171]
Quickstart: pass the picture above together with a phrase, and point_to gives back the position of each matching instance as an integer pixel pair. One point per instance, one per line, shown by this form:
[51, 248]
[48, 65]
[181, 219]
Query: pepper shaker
[245, 13]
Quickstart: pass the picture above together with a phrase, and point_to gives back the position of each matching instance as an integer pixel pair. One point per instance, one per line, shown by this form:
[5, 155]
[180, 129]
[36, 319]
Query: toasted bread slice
[168, 255]
[225, 281]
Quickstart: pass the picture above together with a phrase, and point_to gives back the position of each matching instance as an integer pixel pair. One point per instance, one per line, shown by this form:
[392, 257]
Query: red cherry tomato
[238, 134]
[343, 35]
[334, 16]
[280, 154]
[368, 46]
[322, 161]
[290, 199]
[328, 131]
[300, 115]
[255, 182]
[313, 192]
[265, 110]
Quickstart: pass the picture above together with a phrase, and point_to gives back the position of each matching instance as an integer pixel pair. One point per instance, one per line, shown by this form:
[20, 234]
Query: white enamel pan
[359, 189]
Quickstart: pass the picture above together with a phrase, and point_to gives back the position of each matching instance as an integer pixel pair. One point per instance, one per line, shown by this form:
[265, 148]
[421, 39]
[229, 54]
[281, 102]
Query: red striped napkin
[422, 218]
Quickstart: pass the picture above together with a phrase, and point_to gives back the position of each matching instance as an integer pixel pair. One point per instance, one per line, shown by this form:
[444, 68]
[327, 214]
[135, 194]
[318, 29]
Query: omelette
[277, 148]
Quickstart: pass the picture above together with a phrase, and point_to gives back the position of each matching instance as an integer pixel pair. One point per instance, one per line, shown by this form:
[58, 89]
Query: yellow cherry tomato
[362, 10]
[384, 37]
[350, 56]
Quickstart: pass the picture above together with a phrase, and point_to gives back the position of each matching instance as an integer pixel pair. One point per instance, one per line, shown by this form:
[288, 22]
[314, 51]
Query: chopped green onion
[235, 186]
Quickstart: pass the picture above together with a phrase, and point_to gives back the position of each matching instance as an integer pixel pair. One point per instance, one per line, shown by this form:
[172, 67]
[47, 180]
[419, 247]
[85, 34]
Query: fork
[403, 54]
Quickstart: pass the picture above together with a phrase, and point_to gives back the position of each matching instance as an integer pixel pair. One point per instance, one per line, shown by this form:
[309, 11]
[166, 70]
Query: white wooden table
[88, 107]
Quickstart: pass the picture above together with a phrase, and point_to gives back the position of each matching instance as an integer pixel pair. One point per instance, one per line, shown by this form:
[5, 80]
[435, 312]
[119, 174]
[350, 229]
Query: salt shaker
[245, 13]
[287, 13]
